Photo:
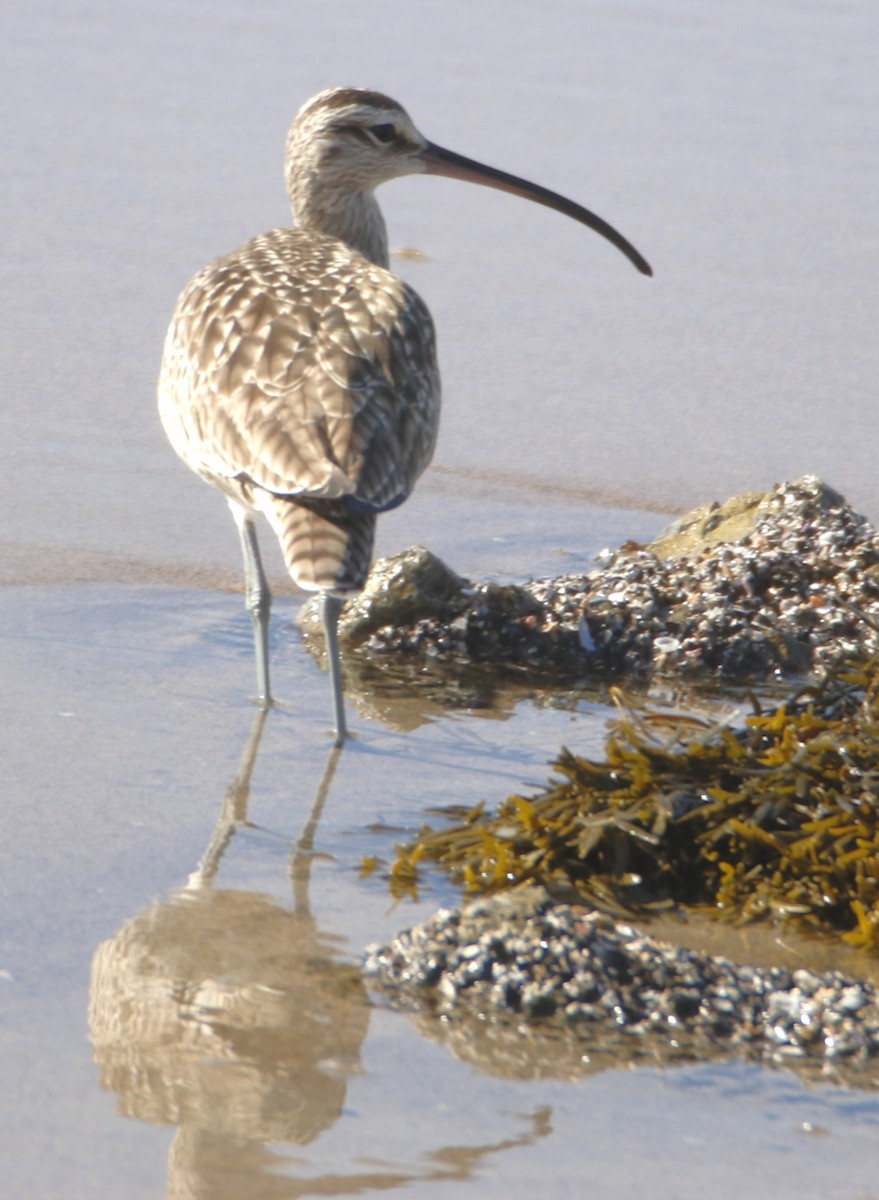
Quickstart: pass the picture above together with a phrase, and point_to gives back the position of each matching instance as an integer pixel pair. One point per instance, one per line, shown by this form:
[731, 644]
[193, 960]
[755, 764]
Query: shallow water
[734, 148]
[126, 717]
[224, 1025]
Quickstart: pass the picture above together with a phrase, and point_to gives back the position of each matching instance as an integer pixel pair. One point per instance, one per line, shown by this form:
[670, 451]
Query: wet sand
[584, 405]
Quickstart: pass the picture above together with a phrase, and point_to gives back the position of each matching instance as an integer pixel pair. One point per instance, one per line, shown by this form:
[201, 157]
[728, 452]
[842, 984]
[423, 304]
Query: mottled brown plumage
[311, 394]
[299, 375]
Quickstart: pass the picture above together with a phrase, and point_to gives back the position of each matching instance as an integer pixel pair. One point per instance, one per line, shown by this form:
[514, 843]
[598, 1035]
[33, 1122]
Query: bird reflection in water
[233, 1018]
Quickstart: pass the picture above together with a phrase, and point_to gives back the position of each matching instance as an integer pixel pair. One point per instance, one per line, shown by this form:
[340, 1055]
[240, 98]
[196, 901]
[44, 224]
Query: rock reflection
[522, 1050]
[230, 1016]
[406, 694]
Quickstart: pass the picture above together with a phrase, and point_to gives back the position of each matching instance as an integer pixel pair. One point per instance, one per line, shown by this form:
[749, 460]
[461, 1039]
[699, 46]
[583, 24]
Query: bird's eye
[384, 133]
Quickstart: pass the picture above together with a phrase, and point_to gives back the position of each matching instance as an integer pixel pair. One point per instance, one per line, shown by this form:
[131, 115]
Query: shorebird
[299, 375]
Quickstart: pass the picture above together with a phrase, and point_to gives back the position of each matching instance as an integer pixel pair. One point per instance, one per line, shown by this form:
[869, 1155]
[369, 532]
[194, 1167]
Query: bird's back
[301, 379]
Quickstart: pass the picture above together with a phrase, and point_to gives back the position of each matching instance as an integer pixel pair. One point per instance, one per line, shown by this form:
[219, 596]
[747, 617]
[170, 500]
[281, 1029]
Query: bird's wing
[376, 363]
[307, 370]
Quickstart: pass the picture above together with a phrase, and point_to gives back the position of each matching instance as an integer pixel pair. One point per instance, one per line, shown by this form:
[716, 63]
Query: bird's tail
[325, 549]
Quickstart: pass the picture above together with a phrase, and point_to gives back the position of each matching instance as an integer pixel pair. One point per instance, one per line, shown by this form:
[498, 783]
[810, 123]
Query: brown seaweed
[778, 819]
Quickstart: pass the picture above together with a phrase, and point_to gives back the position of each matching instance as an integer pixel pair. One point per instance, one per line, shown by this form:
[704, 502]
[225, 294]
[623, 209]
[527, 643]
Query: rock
[709, 524]
[733, 521]
[400, 590]
[766, 585]
[517, 958]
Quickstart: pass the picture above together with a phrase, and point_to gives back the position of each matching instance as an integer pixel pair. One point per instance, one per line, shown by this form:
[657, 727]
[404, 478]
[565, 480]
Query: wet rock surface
[764, 586]
[521, 961]
[405, 589]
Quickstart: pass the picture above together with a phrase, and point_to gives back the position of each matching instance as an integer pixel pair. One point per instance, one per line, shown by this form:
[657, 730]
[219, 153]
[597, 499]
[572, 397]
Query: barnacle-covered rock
[739, 517]
[766, 586]
[515, 973]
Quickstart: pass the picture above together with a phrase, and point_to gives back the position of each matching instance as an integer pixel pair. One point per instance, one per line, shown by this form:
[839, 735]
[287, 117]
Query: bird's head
[344, 142]
[353, 140]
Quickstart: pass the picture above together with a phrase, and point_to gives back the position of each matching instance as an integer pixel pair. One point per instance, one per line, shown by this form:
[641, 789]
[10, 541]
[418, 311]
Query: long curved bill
[438, 161]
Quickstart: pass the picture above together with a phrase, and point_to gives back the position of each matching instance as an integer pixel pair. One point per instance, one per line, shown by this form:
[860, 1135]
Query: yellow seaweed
[777, 819]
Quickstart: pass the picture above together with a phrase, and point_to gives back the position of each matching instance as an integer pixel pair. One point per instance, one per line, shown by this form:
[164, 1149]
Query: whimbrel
[299, 375]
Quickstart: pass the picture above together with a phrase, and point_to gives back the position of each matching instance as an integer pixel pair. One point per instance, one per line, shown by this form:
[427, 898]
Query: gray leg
[330, 607]
[257, 601]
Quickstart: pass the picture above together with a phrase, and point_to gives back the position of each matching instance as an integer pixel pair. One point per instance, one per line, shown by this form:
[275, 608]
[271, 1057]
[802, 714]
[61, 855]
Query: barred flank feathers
[324, 548]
